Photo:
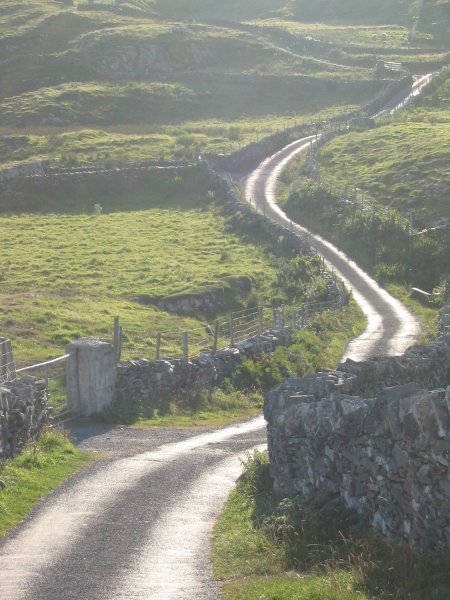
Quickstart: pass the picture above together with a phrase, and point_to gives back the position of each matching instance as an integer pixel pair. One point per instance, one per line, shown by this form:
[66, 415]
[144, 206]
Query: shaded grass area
[268, 547]
[192, 98]
[188, 408]
[379, 241]
[34, 473]
[386, 11]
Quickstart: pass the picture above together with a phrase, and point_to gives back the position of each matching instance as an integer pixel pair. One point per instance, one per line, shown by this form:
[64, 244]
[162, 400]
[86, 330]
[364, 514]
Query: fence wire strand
[240, 326]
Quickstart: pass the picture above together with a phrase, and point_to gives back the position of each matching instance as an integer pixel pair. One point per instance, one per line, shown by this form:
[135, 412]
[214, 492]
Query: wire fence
[351, 195]
[7, 369]
[226, 332]
[53, 373]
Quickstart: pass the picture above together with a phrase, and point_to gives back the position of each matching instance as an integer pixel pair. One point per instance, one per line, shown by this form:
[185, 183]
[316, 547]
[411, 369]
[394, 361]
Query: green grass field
[370, 36]
[66, 276]
[402, 163]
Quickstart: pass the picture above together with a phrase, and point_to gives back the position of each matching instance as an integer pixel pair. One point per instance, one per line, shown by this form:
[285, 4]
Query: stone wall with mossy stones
[374, 435]
[148, 383]
[24, 412]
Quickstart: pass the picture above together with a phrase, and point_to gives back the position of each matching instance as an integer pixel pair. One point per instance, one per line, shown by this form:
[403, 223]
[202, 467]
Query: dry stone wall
[24, 412]
[376, 435]
[146, 382]
[248, 157]
[27, 169]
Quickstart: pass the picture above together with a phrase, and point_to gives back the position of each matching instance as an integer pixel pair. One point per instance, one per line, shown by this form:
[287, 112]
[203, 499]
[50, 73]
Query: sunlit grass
[66, 276]
[269, 548]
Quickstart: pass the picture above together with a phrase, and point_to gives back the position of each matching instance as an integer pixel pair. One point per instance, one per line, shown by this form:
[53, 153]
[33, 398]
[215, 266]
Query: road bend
[136, 525]
[391, 328]
[130, 527]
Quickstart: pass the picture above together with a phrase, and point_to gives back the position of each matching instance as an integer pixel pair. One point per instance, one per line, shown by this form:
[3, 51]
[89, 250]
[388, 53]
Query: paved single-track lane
[391, 327]
[133, 527]
[136, 526]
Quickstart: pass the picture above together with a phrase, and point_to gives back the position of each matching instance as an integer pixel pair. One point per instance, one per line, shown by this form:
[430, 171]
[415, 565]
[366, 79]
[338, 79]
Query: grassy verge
[34, 473]
[319, 346]
[265, 547]
[198, 408]
[427, 315]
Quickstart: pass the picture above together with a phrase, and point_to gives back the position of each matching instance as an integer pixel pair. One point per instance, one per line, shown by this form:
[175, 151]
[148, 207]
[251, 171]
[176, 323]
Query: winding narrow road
[391, 327]
[136, 525]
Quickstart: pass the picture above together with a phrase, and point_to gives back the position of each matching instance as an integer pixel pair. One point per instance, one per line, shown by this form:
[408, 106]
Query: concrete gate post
[91, 376]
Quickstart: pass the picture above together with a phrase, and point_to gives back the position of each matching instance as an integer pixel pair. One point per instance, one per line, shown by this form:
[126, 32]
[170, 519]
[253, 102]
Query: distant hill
[367, 11]
[233, 10]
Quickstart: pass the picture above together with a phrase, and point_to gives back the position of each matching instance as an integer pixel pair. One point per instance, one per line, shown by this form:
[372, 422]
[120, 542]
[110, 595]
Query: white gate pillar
[91, 376]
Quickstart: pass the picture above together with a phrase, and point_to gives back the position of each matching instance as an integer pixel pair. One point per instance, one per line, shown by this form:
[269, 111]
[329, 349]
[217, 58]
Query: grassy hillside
[157, 88]
[108, 83]
[402, 163]
[384, 11]
[172, 71]
[169, 103]
[192, 9]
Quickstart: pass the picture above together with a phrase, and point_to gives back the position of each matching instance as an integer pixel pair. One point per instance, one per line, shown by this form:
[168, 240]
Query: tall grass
[265, 546]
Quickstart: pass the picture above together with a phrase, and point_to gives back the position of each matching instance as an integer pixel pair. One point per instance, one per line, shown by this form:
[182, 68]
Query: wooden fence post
[216, 336]
[158, 347]
[231, 331]
[294, 319]
[185, 346]
[260, 320]
[117, 338]
[303, 316]
[278, 319]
